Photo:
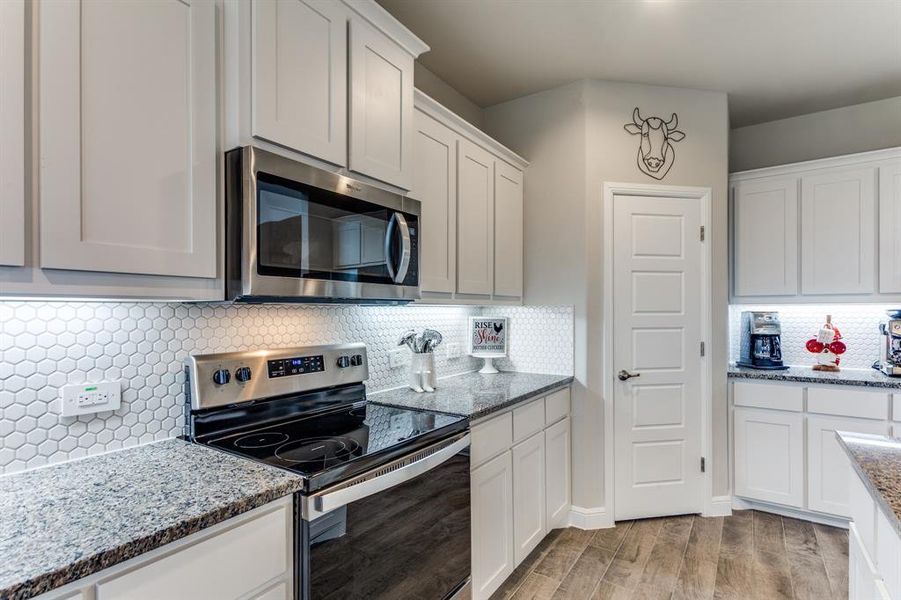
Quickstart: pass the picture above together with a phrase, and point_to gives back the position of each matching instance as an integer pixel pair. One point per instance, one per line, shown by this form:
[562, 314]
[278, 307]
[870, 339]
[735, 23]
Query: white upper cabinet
[822, 230]
[838, 232]
[475, 201]
[435, 185]
[765, 237]
[128, 138]
[299, 65]
[381, 106]
[890, 227]
[508, 228]
[12, 132]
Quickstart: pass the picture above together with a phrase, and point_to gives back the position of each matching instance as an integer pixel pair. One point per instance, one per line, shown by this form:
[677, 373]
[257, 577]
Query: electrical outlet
[398, 358]
[453, 350]
[88, 398]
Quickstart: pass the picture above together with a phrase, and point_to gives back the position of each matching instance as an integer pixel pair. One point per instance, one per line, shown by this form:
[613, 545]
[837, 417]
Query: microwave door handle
[406, 247]
[389, 237]
[329, 501]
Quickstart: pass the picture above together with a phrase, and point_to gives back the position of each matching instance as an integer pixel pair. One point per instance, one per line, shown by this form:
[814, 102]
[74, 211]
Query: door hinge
[703, 465]
[703, 349]
[702, 233]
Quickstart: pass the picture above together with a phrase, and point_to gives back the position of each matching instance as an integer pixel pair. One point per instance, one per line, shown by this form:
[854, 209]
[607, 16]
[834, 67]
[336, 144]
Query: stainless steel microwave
[295, 233]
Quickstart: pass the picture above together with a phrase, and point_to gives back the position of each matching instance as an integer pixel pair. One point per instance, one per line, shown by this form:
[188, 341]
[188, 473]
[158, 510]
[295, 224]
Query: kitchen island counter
[64, 522]
[877, 460]
[474, 395]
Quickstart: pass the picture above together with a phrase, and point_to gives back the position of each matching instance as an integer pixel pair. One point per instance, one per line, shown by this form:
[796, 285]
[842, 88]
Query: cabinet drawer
[491, 438]
[528, 420]
[774, 396]
[845, 402]
[556, 406]
[863, 512]
[242, 559]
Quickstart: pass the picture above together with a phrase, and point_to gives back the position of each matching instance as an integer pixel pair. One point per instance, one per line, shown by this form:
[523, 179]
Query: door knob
[624, 375]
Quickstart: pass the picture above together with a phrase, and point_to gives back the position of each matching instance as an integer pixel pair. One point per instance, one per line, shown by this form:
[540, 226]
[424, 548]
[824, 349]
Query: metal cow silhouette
[655, 153]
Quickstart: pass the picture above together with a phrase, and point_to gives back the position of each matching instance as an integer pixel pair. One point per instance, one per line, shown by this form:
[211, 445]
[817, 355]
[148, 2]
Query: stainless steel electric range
[385, 506]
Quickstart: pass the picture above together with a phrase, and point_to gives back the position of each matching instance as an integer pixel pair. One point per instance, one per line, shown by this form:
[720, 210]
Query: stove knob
[243, 374]
[343, 362]
[356, 360]
[221, 376]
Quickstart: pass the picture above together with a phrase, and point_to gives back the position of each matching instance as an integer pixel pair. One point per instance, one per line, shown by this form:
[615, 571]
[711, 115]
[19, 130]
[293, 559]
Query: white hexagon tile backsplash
[44, 346]
[858, 323]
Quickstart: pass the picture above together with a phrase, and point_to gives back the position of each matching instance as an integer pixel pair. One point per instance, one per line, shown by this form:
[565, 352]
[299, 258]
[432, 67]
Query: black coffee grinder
[761, 341]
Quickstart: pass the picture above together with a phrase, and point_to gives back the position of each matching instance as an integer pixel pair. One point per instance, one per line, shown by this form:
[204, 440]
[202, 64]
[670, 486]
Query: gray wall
[574, 138]
[438, 89]
[857, 128]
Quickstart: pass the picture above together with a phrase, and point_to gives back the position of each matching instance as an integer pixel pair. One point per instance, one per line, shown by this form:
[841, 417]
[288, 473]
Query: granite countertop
[877, 459]
[861, 377]
[67, 521]
[474, 395]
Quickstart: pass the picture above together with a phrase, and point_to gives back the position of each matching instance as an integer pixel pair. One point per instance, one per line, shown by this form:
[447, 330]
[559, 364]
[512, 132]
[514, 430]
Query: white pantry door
[656, 338]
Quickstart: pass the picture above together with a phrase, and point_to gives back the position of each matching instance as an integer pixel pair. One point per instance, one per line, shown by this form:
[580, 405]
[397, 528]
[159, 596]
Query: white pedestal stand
[488, 367]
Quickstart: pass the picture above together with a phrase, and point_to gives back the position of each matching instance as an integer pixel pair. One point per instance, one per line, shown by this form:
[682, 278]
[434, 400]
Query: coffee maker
[761, 340]
[890, 355]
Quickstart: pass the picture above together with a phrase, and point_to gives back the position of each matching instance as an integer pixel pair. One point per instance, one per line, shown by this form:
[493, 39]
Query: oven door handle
[329, 501]
[399, 224]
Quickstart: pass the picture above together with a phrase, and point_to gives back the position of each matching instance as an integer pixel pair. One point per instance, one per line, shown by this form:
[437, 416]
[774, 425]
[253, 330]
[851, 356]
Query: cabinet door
[890, 227]
[508, 223]
[838, 232]
[435, 185]
[529, 509]
[492, 525]
[765, 241]
[128, 137]
[888, 554]
[557, 473]
[861, 575]
[12, 132]
[299, 66]
[828, 468]
[475, 218]
[381, 106]
[769, 456]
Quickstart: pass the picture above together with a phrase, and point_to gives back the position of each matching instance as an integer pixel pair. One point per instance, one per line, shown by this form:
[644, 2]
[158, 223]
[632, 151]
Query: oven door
[399, 532]
[309, 234]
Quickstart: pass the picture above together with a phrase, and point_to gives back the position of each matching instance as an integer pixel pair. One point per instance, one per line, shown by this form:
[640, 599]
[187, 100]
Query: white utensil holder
[422, 372]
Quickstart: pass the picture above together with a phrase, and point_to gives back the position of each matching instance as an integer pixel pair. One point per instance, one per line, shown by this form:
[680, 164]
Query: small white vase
[422, 372]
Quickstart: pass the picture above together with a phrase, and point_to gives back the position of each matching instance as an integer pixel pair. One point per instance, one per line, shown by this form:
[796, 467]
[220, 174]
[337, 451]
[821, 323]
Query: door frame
[703, 195]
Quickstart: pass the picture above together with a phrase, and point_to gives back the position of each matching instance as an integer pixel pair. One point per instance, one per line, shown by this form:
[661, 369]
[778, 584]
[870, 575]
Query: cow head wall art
[655, 152]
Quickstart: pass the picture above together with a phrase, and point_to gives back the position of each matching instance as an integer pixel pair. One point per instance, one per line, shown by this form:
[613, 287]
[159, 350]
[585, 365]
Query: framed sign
[488, 337]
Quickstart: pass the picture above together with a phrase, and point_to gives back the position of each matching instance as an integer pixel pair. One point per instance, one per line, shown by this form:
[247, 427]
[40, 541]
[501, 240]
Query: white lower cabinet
[529, 516]
[874, 548]
[492, 524]
[558, 455]
[862, 575]
[520, 490]
[769, 456]
[249, 556]
[828, 468]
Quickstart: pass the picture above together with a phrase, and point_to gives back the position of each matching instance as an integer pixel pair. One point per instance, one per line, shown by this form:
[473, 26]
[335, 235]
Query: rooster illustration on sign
[655, 152]
[498, 327]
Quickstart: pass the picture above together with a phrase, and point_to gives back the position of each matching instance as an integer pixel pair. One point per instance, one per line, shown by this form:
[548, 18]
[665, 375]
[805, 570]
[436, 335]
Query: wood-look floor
[749, 555]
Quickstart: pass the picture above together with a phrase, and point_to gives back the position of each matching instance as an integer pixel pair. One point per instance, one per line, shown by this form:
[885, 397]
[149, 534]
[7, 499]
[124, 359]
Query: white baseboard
[786, 511]
[718, 506]
[590, 518]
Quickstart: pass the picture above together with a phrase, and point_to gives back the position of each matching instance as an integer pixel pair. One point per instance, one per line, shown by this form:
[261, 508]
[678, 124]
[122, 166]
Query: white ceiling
[775, 58]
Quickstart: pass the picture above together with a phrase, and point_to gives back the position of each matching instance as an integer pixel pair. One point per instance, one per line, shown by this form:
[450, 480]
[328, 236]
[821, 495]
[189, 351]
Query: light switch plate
[89, 398]
[453, 350]
[398, 358]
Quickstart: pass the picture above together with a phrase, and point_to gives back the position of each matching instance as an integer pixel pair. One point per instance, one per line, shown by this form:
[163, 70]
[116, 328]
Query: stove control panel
[299, 365]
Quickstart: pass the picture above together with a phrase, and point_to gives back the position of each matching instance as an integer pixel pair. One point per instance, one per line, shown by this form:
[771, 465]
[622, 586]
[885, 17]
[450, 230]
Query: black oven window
[308, 232]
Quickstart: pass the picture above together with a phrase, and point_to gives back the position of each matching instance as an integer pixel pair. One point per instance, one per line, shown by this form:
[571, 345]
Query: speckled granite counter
[877, 459]
[862, 377]
[473, 395]
[64, 522]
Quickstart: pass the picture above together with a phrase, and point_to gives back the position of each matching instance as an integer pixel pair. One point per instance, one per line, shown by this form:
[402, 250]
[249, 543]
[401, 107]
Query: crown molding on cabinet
[435, 109]
[845, 160]
[382, 20]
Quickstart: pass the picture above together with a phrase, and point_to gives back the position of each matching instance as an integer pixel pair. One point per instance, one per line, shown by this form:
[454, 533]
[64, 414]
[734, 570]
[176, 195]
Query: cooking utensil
[431, 339]
[408, 339]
